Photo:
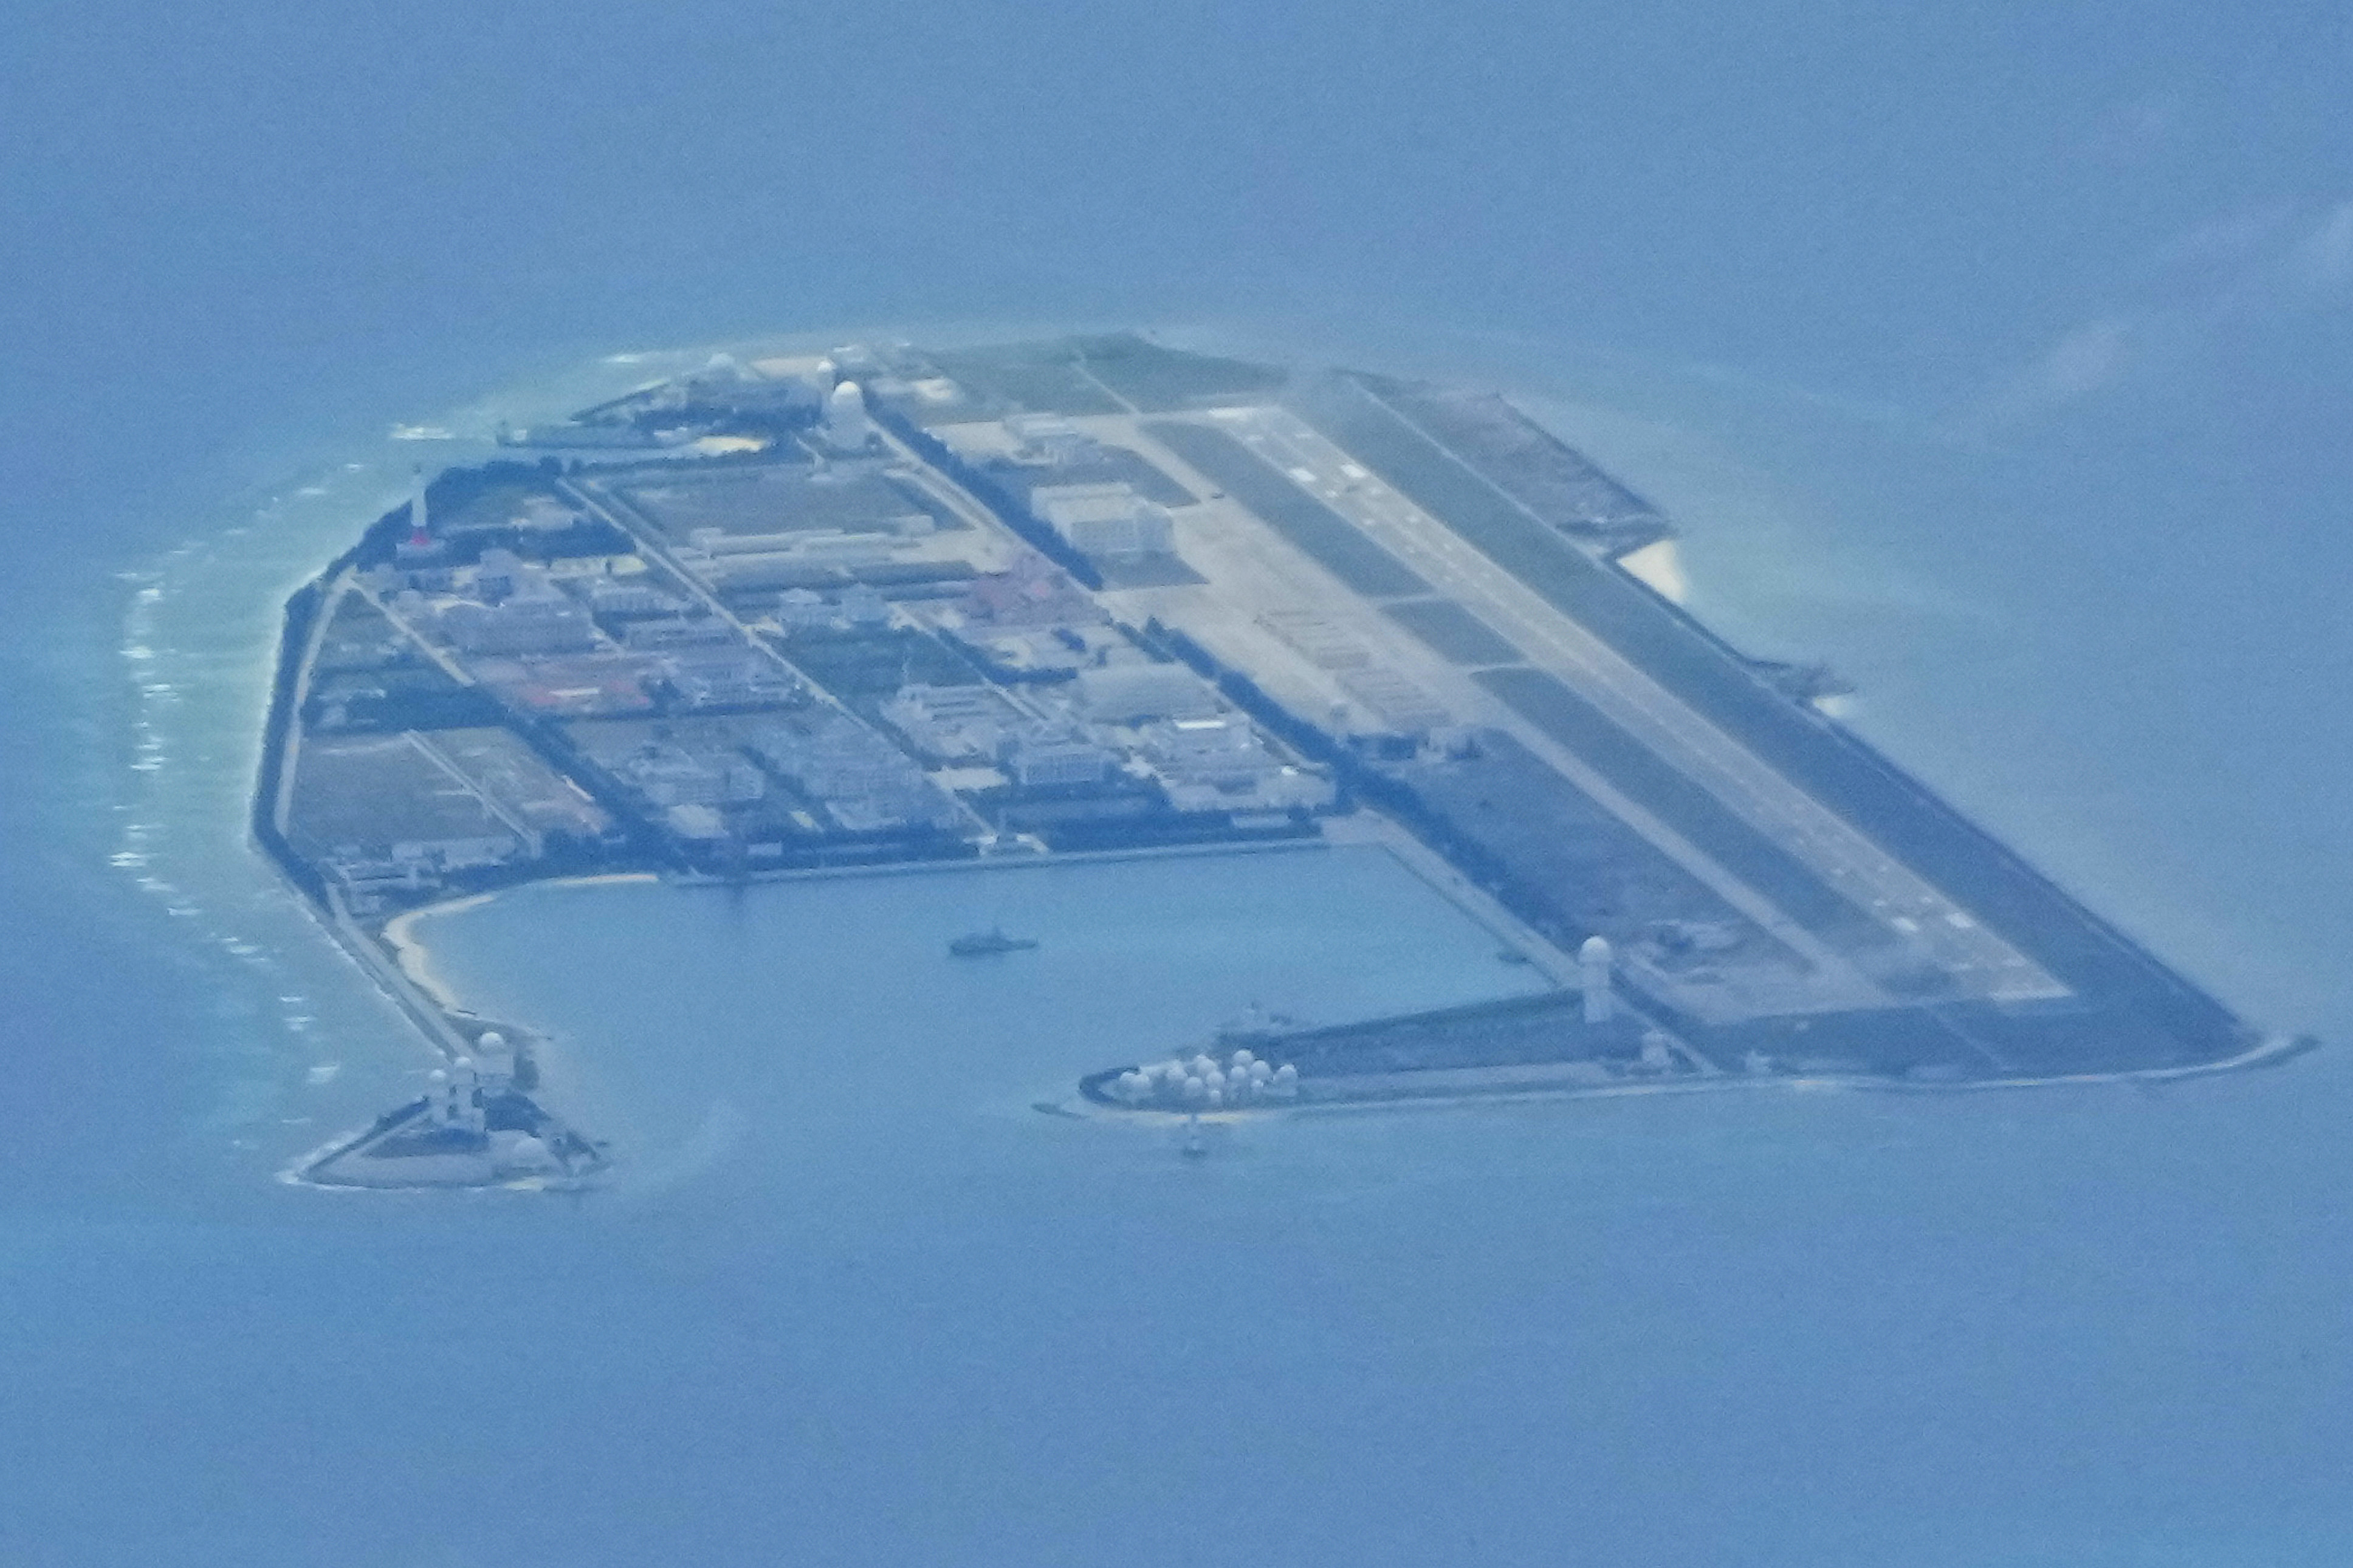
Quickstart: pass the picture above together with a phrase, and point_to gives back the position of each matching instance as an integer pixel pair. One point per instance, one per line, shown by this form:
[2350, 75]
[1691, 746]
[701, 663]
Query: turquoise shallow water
[817, 1034]
[846, 1261]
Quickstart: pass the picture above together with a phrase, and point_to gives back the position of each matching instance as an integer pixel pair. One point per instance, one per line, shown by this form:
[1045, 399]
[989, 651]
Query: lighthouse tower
[420, 543]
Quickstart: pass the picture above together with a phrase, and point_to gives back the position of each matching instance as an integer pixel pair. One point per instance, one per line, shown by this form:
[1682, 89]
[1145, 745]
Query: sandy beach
[416, 960]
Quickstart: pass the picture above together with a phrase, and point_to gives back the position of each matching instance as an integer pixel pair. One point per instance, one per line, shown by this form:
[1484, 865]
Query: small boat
[1195, 1146]
[988, 943]
[1513, 956]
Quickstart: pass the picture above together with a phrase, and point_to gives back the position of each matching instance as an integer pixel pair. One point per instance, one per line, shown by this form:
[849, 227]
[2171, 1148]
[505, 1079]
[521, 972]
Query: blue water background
[1998, 352]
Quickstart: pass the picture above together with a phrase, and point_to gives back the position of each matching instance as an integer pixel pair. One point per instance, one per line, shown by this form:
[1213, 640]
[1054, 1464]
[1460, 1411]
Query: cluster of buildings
[588, 641]
[1118, 723]
[782, 525]
[669, 774]
[1110, 718]
[1376, 700]
[537, 617]
[974, 725]
[712, 734]
[622, 597]
[854, 607]
[689, 777]
[732, 675]
[383, 814]
[863, 782]
[952, 724]
[1221, 763]
[1030, 594]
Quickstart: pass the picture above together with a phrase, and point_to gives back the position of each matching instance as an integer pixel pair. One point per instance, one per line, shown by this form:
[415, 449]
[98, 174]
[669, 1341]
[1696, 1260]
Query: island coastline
[591, 686]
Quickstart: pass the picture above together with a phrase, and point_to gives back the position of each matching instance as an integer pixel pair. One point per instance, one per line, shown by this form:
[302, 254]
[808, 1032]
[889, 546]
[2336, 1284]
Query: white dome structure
[847, 428]
[520, 1151]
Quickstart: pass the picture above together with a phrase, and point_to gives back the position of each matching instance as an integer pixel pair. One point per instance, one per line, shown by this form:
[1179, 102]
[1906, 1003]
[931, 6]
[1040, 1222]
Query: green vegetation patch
[869, 666]
[360, 637]
[1036, 378]
[494, 506]
[1559, 485]
[782, 497]
[363, 795]
[1099, 376]
[1160, 380]
[414, 694]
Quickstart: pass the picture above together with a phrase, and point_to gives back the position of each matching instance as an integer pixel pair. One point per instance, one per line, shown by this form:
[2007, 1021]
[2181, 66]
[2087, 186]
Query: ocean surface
[2001, 355]
[854, 1301]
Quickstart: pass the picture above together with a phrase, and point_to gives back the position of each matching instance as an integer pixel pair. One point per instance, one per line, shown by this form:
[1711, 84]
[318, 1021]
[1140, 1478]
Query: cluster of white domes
[1203, 1083]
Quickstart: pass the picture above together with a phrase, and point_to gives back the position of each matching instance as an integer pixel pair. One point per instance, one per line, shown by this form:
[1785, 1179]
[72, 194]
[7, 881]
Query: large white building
[1047, 439]
[726, 676]
[629, 596]
[670, 775]
[956, 724]
[499, 573]
[1104, 519]
[1222, 765]
[1057, 762]
[1122, 693]
[535, 617]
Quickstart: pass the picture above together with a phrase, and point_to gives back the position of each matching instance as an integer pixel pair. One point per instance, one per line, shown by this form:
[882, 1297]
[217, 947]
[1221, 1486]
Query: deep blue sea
[2001, 354]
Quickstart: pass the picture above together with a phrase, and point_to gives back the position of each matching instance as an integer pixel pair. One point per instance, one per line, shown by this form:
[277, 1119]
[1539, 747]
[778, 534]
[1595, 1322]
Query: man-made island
[1093, 596]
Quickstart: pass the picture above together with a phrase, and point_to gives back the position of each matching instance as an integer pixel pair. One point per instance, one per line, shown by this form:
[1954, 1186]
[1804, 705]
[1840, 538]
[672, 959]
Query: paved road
[1252, 567]
[1915, 910]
